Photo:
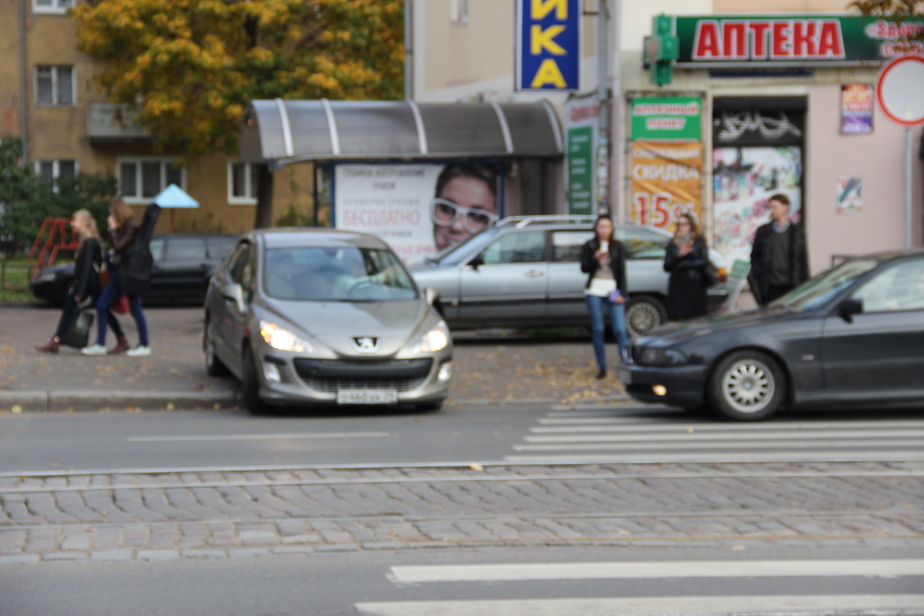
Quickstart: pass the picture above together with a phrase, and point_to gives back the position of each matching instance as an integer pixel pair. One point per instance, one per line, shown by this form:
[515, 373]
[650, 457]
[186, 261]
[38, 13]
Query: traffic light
[661, 49]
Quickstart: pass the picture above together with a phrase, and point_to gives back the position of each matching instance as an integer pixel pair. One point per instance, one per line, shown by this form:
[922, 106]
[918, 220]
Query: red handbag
[120, 306]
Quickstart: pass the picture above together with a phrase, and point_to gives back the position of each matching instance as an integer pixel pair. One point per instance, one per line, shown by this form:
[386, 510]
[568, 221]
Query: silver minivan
[324, 317]
[526, 272]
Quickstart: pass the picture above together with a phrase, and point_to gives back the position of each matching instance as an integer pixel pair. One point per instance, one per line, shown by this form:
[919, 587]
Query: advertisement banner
[849, 193]
[548, 45]
[857, 108]
[794, 40]
[666, 182]
[671, 119]
[744, 180]
[582, 119]
[417, 209]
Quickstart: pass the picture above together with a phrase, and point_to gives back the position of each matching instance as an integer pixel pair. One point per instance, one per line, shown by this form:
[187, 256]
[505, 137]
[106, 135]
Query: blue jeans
[617, 313]
[105, 301]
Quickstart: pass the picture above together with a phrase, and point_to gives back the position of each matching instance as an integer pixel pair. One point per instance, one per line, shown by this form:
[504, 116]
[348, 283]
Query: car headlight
[283, 340]
[434, 340]
[663, 357]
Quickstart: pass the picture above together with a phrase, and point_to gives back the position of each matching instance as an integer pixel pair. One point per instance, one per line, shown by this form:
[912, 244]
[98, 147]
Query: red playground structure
[54, 236]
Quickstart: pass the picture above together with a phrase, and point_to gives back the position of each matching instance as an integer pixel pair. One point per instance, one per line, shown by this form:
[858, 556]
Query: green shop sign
[794, 40]
[666, 118]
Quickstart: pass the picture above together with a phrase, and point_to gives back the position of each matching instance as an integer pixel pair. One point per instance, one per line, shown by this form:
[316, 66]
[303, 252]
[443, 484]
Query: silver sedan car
[324, 317]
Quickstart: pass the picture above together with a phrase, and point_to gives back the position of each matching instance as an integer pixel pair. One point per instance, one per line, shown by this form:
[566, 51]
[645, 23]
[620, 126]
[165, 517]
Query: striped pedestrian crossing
[873, 576]
[646, 434]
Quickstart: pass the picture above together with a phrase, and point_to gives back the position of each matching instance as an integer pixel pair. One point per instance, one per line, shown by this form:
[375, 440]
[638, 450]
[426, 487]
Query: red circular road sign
[900, 90]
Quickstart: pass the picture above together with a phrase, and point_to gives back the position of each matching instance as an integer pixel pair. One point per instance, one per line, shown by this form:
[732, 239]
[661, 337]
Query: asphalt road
[462, 583]
[516, 433]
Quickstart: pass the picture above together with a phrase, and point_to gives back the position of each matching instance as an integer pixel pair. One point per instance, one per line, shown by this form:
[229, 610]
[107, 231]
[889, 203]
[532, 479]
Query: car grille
[333, 375]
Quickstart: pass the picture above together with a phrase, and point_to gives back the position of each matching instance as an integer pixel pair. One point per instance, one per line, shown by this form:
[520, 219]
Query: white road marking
[657, 570]
[634, 425]
[634, 445]
[254, 437]
[765, 605]
[686, 435]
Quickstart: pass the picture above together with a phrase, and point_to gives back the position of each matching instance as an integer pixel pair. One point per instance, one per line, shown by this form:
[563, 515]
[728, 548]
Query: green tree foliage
[890, 8]
[192, 65]
[26, 200]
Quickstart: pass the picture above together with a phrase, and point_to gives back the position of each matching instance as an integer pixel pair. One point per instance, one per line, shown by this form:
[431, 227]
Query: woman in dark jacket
[123, 231]
[603, 259]
[686, 259]
[87, 263]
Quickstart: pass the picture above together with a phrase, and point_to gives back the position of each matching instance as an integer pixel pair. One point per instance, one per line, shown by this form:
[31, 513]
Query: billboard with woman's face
[418, 209]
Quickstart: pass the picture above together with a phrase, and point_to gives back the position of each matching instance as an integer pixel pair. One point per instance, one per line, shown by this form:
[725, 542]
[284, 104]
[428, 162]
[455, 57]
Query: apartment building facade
[48, 95]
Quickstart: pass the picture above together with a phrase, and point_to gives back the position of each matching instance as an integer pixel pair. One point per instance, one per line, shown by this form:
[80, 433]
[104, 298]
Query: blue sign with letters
[548, 45]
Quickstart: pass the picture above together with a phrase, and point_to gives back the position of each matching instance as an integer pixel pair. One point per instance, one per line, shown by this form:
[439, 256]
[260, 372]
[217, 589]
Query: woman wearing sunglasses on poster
[465, 203]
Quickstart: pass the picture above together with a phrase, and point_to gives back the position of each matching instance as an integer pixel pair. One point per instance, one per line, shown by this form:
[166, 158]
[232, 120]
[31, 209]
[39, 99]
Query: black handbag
[78, 332]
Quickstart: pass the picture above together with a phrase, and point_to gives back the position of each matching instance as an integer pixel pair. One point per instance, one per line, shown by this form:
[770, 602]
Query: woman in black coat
[686, 259]
[87, 263]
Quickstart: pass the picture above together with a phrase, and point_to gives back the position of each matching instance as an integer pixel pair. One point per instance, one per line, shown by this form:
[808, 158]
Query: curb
[39, 401]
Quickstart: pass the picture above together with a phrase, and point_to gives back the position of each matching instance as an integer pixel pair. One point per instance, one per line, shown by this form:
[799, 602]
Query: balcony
[114, 123]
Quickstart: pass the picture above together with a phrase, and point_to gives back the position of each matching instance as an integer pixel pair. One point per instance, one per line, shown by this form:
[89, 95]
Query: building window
[143, 178]
[242, 184]
[54, 85]
[52, 6]
[52, 170]
[458, 12]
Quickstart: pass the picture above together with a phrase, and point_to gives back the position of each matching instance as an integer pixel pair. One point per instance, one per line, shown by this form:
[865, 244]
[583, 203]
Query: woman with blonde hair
[87, 263]
[686, 259]
[123, 230]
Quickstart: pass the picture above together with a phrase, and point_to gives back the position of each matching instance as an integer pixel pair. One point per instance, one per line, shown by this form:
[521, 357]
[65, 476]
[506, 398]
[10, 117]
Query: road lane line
[254, 437]
[600, 424]
[766, 605]
[657, 570]
[716, 458]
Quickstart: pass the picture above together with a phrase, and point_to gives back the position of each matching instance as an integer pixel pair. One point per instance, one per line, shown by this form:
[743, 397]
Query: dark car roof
[293, 237]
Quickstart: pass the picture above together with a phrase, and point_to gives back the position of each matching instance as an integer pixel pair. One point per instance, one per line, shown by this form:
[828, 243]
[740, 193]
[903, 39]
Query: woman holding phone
[603, 259]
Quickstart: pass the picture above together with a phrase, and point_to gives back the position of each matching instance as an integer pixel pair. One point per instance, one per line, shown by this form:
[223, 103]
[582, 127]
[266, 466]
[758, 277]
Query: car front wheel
[250, 385]
[747, 386]
[644, 313]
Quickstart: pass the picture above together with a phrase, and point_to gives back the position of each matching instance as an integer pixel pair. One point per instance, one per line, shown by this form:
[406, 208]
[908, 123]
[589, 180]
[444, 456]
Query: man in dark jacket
[779, 261]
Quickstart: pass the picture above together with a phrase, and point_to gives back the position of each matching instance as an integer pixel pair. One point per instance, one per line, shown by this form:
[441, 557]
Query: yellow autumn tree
[190, 66]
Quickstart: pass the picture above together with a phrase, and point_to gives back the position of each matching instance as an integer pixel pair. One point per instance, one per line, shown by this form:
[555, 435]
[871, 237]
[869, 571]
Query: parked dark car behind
[852, 336]
[183, 264]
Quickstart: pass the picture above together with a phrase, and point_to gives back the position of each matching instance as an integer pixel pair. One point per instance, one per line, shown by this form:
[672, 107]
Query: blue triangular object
[174, 197]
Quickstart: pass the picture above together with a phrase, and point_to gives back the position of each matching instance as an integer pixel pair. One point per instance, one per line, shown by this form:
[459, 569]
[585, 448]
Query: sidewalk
[490, 367]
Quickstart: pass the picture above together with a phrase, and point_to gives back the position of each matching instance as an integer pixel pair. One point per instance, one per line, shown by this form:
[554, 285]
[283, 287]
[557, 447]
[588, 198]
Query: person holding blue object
[603, 259]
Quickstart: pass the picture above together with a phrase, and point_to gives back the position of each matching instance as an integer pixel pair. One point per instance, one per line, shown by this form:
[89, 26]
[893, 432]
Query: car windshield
[819, 290]
[336, 274]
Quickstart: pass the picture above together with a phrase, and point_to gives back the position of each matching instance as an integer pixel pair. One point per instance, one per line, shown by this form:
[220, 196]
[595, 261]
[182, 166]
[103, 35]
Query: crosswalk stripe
[603, 444]
[593, 423]
[897, 455]
[686, 435]
[766, 605]
[657, 570]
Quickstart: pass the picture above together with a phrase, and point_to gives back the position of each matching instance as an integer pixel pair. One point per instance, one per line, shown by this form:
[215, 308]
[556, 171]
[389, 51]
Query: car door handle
[534, 274]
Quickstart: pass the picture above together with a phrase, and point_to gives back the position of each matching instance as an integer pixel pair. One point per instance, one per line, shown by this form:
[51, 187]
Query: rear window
[220, 247]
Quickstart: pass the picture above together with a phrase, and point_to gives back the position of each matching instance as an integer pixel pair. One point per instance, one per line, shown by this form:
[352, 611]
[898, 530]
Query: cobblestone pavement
[244, 514]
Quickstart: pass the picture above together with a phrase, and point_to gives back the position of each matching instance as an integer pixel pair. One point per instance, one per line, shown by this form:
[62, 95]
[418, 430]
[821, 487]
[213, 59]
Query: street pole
[24, 80]
[603, 142]
[907, 187]
[408, 50]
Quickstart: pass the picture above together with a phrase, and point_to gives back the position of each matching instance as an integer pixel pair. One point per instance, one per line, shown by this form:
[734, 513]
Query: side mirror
[234, 292]
[433, 299]
[479, 260]
[850, 307]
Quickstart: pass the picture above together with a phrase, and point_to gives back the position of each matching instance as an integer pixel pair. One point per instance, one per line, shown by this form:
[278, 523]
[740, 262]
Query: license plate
[367, 396]
[624, 376]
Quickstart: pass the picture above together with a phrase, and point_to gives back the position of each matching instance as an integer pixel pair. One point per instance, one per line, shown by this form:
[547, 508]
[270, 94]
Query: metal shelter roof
[288, 131]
